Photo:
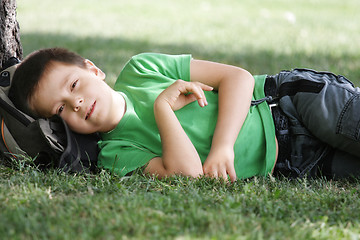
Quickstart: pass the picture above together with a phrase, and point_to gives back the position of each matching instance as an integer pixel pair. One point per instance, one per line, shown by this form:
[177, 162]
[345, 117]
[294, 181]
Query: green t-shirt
[136, 139]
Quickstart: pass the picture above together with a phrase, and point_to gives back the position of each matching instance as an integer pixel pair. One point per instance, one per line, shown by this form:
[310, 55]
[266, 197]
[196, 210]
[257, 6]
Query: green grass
[261, 36]
[36, 205]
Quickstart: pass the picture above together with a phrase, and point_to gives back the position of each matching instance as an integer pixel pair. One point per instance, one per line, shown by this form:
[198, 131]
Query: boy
[150, 120]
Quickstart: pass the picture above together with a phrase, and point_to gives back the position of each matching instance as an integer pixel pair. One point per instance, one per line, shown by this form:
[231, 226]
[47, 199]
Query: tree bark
[10, 45]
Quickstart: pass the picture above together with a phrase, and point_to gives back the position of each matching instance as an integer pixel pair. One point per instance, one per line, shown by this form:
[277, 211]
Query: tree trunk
[10, 45]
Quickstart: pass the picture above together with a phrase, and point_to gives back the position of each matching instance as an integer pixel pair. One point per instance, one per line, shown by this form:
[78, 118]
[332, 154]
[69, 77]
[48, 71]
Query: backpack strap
[17, 114]
[5, 83]
[7, 73]
[9, 142]
[50, 130]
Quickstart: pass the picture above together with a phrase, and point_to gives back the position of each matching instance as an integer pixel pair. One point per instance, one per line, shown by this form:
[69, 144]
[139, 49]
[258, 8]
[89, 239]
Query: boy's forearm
[179, 154]
[235, 87]
[235, 95]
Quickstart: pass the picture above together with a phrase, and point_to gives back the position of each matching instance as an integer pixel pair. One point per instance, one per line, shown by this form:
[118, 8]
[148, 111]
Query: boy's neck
[118, 109]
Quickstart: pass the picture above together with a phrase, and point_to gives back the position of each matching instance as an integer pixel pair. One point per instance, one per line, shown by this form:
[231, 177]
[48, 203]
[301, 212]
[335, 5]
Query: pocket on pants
[349, 120]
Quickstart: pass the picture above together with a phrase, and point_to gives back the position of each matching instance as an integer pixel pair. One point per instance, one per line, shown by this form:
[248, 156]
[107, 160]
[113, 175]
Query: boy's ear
[93, 68]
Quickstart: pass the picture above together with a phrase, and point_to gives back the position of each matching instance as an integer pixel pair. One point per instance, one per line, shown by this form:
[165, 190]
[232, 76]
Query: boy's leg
[342, 165]
[329, 108]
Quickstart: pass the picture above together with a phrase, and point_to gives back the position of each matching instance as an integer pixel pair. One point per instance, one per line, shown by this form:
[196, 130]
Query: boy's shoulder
[153, 56]
[146, 55]
[156, 63]
[147, 61]
[141, 59]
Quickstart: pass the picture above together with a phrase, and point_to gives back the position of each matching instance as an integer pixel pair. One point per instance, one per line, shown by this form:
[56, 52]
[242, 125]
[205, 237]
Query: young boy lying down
[175, 115]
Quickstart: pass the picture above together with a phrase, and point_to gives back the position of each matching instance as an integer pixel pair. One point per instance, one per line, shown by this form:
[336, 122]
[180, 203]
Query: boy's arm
[235, 87]
[179, 154]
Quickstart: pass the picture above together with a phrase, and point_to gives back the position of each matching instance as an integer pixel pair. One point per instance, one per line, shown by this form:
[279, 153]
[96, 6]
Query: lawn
[261, 36]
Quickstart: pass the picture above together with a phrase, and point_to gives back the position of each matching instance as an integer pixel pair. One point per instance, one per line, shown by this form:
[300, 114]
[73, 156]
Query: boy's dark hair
[32, 69]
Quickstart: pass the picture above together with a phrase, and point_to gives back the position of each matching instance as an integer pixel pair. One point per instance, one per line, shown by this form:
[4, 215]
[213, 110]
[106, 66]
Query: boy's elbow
[244, 74]
[157, 167]
[192, 172]
[240, 76]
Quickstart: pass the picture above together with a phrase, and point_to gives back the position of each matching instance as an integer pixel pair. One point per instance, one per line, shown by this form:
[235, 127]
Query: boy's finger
[198, 93]
[212, 174]
[224, 176]
[189, 98]
[206, 87]
[231, 172]
[201, 97]
[232, 175]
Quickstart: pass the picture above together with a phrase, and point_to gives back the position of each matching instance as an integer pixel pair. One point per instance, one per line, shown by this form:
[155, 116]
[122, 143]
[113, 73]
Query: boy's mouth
[91, 110]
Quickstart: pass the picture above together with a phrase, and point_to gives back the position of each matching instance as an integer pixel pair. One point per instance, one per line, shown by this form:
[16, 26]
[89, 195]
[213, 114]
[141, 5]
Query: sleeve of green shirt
[122, 157]
[142, 66]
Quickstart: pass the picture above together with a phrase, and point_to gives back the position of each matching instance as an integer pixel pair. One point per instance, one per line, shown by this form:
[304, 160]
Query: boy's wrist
[222, 147]
[221, 140]
[161, 104]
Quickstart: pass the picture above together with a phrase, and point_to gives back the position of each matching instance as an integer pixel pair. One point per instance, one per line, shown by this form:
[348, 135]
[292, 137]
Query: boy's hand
[181, 93]
[220, 164]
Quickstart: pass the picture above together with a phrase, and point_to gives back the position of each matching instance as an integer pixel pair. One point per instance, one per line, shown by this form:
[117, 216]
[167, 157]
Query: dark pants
[323, 113]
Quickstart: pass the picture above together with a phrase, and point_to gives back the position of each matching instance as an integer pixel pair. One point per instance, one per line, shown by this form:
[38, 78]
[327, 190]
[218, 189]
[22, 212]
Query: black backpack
[48, 142]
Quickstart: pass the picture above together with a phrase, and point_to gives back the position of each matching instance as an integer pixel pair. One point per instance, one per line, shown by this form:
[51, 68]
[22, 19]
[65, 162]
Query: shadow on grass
[111, 54]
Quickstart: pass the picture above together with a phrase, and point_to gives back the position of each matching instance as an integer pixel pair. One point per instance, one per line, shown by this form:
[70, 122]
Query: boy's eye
[74, 84]
[60, 109]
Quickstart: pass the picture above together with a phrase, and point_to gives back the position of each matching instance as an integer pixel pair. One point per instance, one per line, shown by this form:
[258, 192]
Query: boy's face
[79, 95]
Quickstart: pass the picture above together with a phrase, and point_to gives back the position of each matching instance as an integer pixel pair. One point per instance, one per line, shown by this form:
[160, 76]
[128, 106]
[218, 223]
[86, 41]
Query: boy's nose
[77, 104]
